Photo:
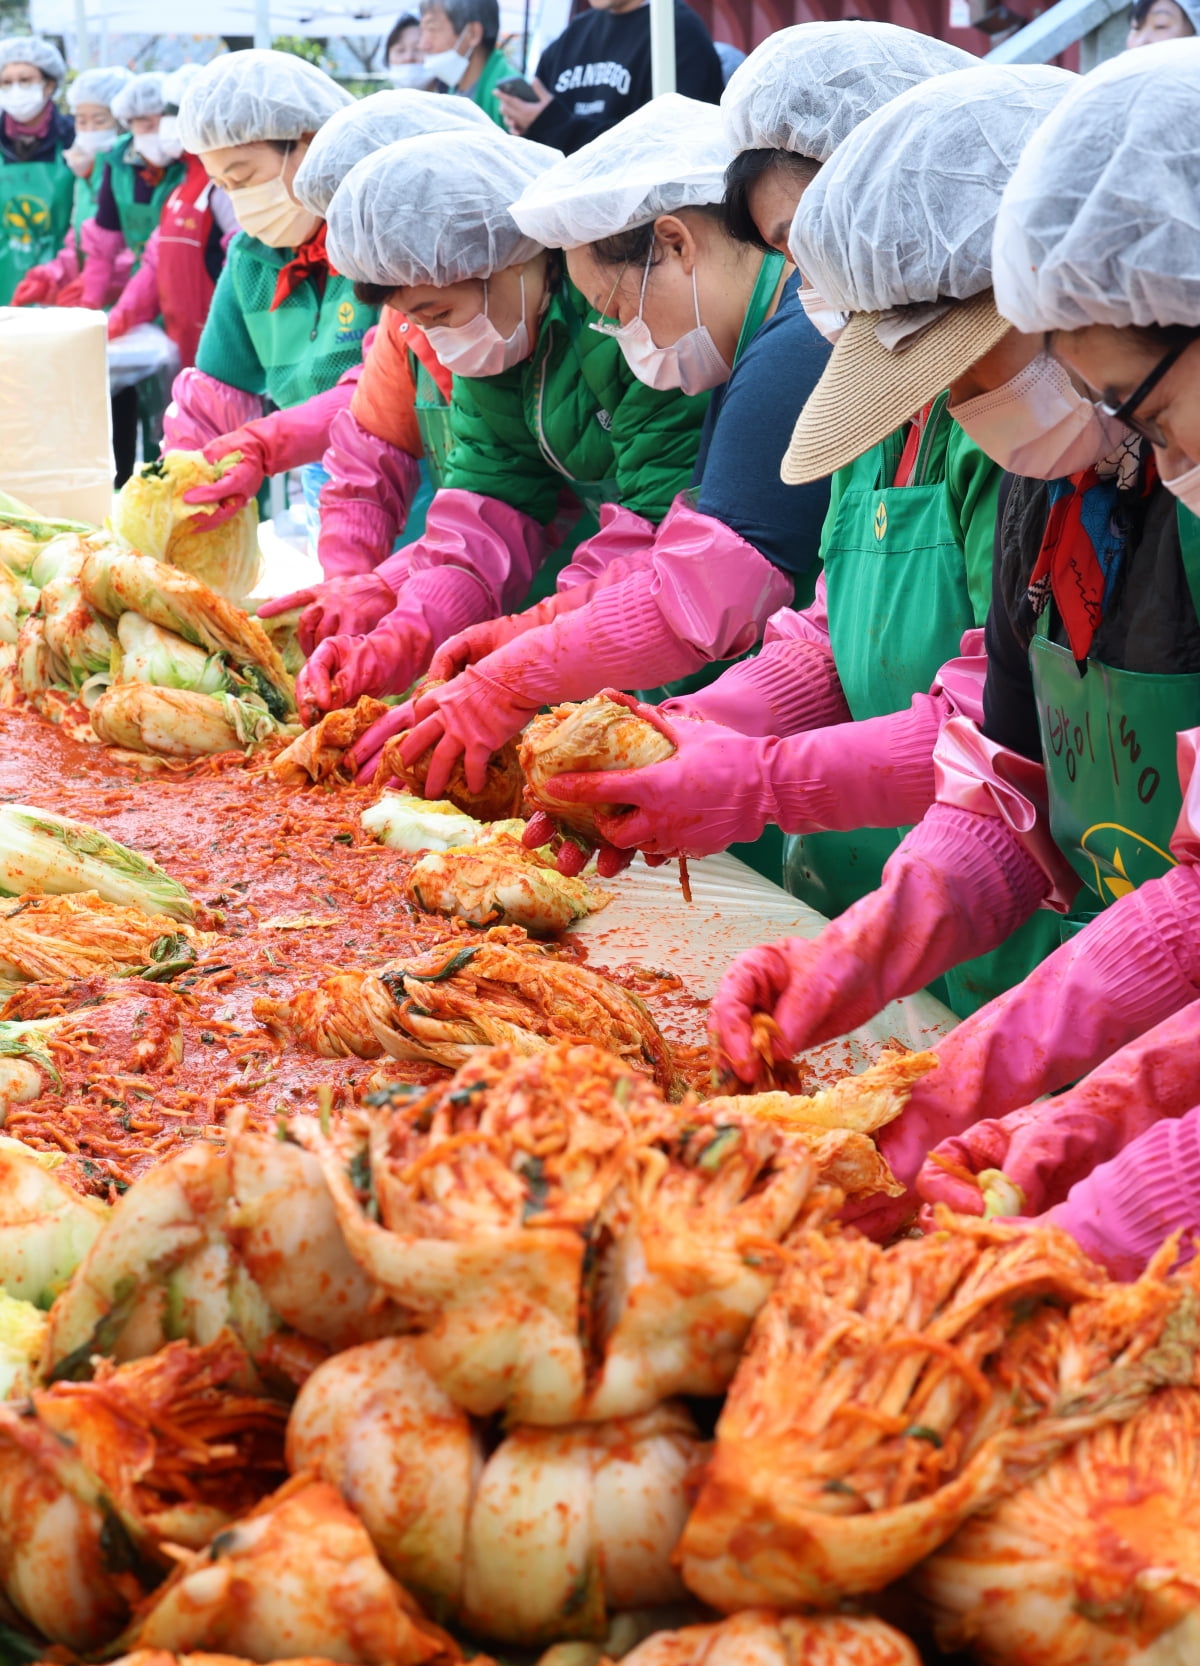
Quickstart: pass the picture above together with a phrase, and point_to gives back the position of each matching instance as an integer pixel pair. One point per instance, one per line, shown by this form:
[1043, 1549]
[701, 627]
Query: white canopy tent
[85, 20]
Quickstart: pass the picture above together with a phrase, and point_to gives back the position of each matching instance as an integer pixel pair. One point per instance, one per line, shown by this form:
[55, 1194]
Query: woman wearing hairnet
[97, 130]
[136, 178]
[541, 401]
[1152, 21]
[795, 99]
[638, 212]
[1094, 688]
[283, 324]
[1093, 655]
[37, 188]
[186, 251]
[369, 479]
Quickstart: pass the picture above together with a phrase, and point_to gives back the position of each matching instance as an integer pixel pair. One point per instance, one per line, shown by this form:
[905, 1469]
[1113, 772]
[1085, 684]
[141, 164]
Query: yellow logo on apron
[1103, 842]
[345, 314]
[881, 522]
[24, 217]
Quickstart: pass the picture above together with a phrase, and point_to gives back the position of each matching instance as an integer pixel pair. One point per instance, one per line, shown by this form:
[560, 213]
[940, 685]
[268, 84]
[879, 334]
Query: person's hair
[1164, 338]
[637, 245]
[741, 174]
[462, 12]
[408, 20]
[374, 294]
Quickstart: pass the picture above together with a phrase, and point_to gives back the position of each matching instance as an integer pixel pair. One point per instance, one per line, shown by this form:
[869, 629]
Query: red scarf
[309, 261]
[1081, 552]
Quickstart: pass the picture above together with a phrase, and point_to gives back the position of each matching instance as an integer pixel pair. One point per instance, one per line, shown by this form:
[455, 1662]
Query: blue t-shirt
[749, 423]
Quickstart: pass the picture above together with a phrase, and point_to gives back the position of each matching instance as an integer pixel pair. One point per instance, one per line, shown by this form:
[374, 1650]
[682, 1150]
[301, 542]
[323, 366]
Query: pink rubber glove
[140, 302]
[623, 536]
[366, 500]
[1045, 1148]
[706, 597]
[433, 603]
[722, 788]
[102, 250]
[348, 607]
[1124, 1211]
[270, 445]
[201, 408]
[41, 283]
[958, 885]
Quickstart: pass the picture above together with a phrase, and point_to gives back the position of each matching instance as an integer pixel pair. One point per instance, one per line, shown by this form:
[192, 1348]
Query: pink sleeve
[366, 500]
[202, 408]
[500, 547]
[976, 774]
[623, 537]
[1126, 1209]
[100, 249]
[1185, 841]
[139, 302]
[811, 622]
[64, 268]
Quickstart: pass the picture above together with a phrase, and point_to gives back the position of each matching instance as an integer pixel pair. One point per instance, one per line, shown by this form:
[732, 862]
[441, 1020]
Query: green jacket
[302, 348]
[483, 92]
[572, 411]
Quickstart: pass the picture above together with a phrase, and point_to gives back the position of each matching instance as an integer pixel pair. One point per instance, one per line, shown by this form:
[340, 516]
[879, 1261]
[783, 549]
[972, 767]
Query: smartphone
[516, 86]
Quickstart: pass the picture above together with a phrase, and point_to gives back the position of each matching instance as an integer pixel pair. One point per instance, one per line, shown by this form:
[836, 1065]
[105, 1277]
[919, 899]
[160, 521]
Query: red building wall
[747, 22]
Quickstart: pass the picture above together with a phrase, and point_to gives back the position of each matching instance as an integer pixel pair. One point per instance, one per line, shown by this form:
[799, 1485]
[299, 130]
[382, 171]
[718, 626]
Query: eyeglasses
[1124, 412]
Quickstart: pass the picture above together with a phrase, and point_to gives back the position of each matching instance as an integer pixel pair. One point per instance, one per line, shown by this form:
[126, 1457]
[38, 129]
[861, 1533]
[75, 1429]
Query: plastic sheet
[143, 351]
[648, 924]
[55, 427]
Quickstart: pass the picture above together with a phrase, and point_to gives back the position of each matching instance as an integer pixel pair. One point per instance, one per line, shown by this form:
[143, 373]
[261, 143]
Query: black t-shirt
[599, 71]
[1149, 622]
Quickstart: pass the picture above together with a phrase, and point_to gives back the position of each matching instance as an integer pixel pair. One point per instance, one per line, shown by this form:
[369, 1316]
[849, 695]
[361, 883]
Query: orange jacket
[385, 395]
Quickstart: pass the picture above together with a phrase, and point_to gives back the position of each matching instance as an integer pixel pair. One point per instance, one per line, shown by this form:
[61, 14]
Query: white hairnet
[435, 209]
[672, 153]
[1100, 223]
[369, 125]
[30, 49]
[98, 86]
[1191, 10]
[176, 84]
[245, 97]
[904, 210]
[805, 88]
[142, 95]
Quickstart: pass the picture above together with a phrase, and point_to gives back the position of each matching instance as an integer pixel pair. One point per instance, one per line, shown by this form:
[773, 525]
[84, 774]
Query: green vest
[87, 192]
[36, 199]
[138, 219]
[898, 606]
[1108, 744]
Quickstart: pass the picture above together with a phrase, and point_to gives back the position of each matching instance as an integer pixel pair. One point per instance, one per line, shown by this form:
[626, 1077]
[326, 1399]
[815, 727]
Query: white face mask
[828, 320]
[269, 213]
[449, 67]
[410, 75]
[23, 104]
[1186, 487]
[160, 148]
[1037, 425]
[691, 364]
[97, 142]
[478, 348]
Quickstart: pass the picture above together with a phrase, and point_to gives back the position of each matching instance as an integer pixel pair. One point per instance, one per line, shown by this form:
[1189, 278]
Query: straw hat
[868, 389]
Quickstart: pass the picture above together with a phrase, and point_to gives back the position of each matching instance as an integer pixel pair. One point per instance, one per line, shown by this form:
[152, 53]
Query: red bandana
[1080, 553]
[309, 261]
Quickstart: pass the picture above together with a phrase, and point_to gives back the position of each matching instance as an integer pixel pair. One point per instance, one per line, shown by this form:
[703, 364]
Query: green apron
[1108, 742]
[83, 208]
[292, 333]
[35, 209]
[138, 219]
[898, 606]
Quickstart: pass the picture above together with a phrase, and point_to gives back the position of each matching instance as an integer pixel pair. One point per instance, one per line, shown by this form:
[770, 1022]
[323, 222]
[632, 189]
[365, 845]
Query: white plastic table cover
[648, 924]
[140, 352]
